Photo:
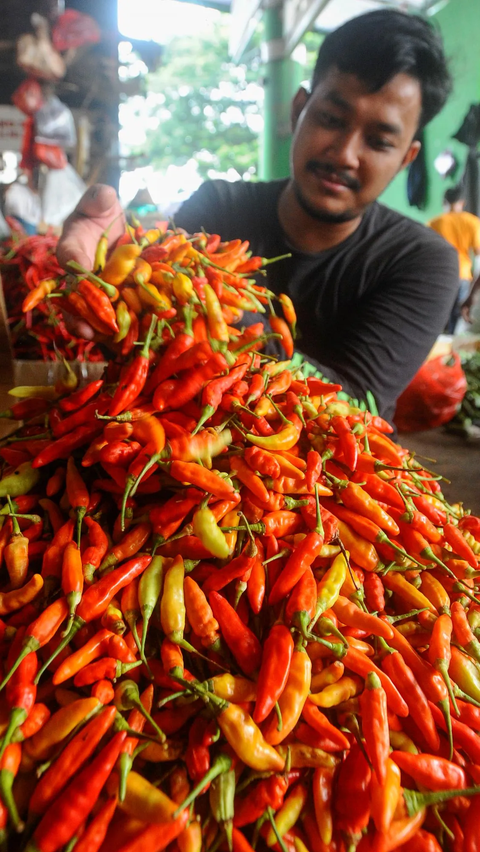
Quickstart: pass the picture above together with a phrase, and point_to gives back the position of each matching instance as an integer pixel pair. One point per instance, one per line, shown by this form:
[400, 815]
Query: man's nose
[347, 148]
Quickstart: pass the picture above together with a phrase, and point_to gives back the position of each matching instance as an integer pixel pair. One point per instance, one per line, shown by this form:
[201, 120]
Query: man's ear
[411, 154]
[298, 105]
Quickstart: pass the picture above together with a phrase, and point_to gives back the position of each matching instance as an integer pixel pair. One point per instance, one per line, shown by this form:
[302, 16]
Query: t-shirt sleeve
[389, 335]
[202, 210]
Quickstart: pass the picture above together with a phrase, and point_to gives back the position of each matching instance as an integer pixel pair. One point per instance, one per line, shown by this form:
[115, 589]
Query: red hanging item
[28, 97]
[74, 29]
[433, 396]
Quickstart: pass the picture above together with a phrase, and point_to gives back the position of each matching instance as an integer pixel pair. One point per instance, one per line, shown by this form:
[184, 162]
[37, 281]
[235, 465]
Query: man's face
[349, 143]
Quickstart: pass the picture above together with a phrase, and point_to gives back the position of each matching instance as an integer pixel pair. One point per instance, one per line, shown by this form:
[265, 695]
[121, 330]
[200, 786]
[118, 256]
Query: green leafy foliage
[207, 108]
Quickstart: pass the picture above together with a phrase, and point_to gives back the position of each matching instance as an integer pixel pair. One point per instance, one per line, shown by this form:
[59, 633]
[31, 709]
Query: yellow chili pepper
[172, 605]
[232, 688]
[120, 263]
[151, 236]
[37, 295]
[11, 601]
[285, 439]
[40, 391]
[182, 288]
[328, 589]
[247, 740]
[330, 674]
[362, 551]
[302, 756]
[133, 300]
[151, 296]
[466, 673]
[231, 519]
[124, 321]
[20, 481]
[142, 271]
[289, 813]
[217, 326]
[209, 533]
[265, 408]
[287, 468]
[142, 799]
[402, 742]
[292, 698]
[385, 797]
[60, 725]
[345, 688]
[288, 311]
[435, 592]
[472, 541]
[163, 752]
[408, 593]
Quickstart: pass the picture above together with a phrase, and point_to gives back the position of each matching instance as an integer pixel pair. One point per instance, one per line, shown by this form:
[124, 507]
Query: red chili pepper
[267, 793]
[347, 440]
[301, 559]
[63, 447]
[455, 538]
[96, 831]
[375, 727]
[133, 377]
[82, 416]
[352, 796]
[175, 393]
[212, 393]
[93, 555]
[434, 773]
[80, 397]
[72, 807]
[273, 675]
[404, 679]
[241, 641]
[360, 664]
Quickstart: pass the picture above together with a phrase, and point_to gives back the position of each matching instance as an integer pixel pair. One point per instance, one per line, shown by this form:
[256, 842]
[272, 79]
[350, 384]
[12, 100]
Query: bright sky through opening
[162, 20]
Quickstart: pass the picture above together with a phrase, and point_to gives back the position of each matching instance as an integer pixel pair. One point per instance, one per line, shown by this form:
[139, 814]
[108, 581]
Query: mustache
[329, 169]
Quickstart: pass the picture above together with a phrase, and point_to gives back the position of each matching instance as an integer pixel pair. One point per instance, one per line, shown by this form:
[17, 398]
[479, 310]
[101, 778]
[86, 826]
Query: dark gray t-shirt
[369, 309]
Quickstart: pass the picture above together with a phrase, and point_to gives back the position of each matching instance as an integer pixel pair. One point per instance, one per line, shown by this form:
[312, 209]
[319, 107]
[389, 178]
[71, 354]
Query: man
[462, 230]
[372, 288]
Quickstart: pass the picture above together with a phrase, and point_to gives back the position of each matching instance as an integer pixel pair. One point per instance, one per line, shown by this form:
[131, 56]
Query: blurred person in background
[462, 231]
[371, 287]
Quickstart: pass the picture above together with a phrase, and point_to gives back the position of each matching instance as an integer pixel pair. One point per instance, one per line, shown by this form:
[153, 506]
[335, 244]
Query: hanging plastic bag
[54, 124]
[36, 54]
[28, 97]
[61, 192]
[433, 396]
[74, 29]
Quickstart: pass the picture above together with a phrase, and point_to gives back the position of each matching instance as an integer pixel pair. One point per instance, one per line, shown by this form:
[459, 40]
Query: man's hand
[98, 208]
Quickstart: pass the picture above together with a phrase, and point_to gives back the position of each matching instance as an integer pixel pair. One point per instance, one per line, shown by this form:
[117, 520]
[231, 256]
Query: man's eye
[326, 119]
[381, 144]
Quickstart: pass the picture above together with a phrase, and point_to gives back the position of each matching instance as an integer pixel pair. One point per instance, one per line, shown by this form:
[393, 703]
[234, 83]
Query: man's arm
[467, 305]
[388, 336]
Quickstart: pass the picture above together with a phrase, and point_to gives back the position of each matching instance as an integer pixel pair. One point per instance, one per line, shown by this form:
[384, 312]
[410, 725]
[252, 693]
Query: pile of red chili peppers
[37, 333]
[234, 613]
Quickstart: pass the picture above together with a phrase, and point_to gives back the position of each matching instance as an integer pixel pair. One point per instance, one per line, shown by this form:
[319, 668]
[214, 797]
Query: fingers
[78, 327]
[98, 209]
[99, 202]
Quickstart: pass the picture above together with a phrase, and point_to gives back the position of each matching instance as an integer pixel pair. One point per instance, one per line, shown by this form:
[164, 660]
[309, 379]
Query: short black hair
[378, 45]
[454, 194]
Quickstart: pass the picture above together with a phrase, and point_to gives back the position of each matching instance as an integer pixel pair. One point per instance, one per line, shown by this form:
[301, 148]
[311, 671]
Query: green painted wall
[459, 22]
